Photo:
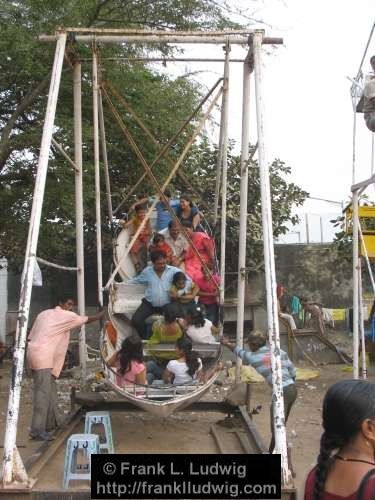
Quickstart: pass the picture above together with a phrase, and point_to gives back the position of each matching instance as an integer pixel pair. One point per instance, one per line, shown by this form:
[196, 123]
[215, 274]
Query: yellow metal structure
[366, 216]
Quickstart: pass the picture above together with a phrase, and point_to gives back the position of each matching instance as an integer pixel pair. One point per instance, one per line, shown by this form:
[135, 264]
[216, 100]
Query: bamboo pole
[361, 322]
[56, 266]
[105, 159]
[28, 268]
[244, 171]
[77, 96]
[98, 223]
[224, 159]
[355, 285]
[269, 261]
[163, 37]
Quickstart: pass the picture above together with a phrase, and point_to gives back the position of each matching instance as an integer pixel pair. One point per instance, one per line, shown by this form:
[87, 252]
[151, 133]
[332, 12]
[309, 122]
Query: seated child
[183, 292]
[185, 368]
[164, 331]
[138, 252]
[208, 294]
[198, 328]
[159, 243]
[129, 362]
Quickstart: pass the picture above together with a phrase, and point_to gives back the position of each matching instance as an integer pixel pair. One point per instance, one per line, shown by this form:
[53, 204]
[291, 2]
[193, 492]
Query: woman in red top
[205, 247]
[346, 462]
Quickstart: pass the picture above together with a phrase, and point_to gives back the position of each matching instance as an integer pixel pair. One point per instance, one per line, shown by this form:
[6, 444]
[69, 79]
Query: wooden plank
[47, 450]
[217, 439]
[255, 440]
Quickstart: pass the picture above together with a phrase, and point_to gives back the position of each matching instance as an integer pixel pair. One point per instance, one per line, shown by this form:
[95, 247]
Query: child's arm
[214, 330]
[188, 297]
[140, 378]
[167, 376]
[241, 353]
[173, 293]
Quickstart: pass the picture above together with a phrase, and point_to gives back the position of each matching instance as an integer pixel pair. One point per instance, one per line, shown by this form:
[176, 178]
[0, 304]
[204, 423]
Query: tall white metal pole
[97, 177]
[225, 107]
[105, 159]
[372, 153]
[361, 321]
[79, 212]
[244, 171]
[219, 166]
[269, 261]
[355, 285]
[28, 268]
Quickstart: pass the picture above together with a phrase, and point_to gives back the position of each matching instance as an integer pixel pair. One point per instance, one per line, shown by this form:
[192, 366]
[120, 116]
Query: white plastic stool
[104, 418]
[89, 443]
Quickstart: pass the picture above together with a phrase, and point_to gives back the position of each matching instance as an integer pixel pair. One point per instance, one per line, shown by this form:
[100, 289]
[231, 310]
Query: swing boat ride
[123, 300]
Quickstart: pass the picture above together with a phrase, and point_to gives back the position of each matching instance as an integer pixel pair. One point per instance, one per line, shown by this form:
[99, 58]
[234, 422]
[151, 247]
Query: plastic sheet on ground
[250, 375]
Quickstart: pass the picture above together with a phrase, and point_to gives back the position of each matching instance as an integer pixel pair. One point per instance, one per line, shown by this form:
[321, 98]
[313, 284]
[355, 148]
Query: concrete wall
[315, 270]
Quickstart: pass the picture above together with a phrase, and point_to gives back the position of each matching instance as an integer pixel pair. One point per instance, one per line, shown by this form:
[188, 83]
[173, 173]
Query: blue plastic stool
[104, 418]
[89, 443]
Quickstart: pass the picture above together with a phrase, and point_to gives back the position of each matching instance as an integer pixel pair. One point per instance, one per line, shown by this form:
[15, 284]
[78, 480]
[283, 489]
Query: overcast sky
[309, 116]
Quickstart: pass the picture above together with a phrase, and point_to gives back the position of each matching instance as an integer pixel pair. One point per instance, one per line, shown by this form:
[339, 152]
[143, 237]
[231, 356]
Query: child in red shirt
[138, 252]
[159, 243]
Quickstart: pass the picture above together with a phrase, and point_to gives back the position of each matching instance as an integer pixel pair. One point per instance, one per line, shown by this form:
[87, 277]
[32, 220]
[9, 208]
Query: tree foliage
[285, 195]
[24, 78]
[162, 102]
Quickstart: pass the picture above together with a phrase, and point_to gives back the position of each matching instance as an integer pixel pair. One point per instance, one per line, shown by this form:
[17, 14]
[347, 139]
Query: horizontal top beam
[127, 31]
[162, 37]
[163, 59]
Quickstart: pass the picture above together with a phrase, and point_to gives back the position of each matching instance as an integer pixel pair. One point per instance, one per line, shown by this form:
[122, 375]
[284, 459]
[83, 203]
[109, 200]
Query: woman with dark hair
[346, 462]
[129, 362]
[184, 369]
[188, 211]
[200, 329]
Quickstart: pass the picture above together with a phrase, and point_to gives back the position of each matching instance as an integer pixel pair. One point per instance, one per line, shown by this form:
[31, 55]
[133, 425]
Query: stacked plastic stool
[89, 443]
[104, 418]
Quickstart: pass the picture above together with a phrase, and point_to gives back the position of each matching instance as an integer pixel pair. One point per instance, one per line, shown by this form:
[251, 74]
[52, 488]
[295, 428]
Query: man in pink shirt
[47, 346]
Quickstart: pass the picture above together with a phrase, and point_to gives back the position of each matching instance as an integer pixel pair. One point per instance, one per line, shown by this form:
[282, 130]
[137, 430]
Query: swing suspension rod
[155, 181]
[142, 125]
[168, 145]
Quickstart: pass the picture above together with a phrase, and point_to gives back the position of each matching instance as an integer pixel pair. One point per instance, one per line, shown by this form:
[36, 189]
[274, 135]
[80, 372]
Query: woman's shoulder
[309, 484]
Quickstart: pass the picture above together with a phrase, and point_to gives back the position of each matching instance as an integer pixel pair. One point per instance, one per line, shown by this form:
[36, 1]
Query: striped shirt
[261, 361]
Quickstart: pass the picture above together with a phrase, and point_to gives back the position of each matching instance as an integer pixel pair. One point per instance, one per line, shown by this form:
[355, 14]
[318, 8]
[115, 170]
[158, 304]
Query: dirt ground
[144, 433]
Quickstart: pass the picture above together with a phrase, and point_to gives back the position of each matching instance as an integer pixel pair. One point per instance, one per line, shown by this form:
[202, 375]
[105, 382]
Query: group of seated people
[177, 366]
[179, 237]
[165, 284]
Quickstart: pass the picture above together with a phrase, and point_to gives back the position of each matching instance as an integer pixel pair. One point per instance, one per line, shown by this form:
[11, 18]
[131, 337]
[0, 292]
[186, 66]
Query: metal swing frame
[12, 468]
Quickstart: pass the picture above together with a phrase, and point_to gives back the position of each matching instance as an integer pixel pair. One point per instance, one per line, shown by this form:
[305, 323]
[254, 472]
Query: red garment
[208, 285]
[205, 246]
[144, 236]
[162, 246]
[369, 492]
